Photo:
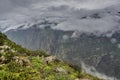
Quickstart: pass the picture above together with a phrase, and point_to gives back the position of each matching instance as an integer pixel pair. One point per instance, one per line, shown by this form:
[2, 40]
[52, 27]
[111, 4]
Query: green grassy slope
[17, 63]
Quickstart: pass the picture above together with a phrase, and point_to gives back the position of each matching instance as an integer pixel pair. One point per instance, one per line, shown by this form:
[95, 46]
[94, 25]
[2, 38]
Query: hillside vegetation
[17, 63]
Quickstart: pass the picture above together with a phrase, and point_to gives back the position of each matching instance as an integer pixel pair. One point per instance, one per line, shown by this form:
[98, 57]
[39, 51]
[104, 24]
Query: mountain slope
[17, 63]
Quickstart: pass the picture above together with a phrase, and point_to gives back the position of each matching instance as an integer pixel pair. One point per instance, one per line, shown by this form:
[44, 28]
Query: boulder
[61, 70]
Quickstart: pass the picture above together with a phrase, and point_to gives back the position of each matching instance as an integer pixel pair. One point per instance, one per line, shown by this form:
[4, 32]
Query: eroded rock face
[97, 51]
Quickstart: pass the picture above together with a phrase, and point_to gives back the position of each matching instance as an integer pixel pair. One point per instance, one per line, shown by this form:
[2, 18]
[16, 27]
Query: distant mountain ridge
[101, 52]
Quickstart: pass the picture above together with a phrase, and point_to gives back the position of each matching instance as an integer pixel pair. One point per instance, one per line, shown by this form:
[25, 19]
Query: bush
[9, 76]
[9, 56]
[14, 67]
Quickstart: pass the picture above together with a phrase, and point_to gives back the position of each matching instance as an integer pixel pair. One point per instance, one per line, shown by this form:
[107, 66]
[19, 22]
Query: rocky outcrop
[49, 59]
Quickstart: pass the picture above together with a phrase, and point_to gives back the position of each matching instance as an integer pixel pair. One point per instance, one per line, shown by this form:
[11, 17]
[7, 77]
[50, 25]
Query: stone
[61, 70]
[49, 59]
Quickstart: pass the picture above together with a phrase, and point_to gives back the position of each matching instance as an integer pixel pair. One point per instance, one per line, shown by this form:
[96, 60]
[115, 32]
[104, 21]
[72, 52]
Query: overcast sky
[18, 12]
[8, 5]
[25, 6]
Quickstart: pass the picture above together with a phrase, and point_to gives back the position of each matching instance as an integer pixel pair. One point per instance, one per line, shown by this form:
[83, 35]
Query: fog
[91, 70]
[67, 13]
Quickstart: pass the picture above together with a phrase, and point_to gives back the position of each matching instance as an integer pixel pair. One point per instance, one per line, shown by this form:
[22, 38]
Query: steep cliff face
[101, 52]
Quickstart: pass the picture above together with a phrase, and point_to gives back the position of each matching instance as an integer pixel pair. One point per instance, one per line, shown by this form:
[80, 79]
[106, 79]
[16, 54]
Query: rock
[21, 60]
[2, 59]
[77, 79]
[13, 51]
[61, 70]
[1, 47]
[84, 79]
[2, 51]
[49, 59]
[4, 47]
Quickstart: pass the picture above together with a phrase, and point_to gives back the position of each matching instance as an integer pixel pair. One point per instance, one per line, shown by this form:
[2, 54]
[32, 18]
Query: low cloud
[91, 70]
[67, 13]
